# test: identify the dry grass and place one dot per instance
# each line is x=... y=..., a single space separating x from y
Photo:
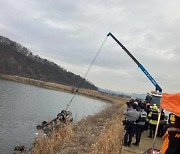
x=53 y=143
x=110 y=140
x=99 y=134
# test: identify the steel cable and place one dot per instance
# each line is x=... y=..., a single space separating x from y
x=85 y=75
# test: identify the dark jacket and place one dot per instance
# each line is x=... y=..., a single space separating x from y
x=174 y=141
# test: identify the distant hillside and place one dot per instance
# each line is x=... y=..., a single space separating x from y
x=18 y=60
x=122 y=94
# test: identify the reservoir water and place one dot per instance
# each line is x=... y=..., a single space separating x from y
x=23 y=107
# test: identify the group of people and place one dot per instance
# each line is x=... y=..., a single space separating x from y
x=140 y=116
x=134 y=122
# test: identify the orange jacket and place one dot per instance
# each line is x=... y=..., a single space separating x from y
x=165 y=143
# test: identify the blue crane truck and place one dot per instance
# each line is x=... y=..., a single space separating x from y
x=156 y=95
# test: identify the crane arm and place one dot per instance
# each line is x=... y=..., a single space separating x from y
x=137 y=62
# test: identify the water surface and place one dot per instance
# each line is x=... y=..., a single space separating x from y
x=23 y=107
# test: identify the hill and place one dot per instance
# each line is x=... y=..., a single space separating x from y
x=16 y=59
x=122 y=94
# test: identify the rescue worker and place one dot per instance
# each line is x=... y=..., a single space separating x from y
x=174 y=137
x=153 y=118
x=140 y=123
x=131 y=116
x=171 y=143
x=165 y=143
x=171 y=119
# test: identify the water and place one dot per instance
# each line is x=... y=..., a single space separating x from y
x=23 y=107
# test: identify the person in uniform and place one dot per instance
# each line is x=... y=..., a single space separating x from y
x=131 y=116
x=140 y=123
x=171 y=144
x=153 y=118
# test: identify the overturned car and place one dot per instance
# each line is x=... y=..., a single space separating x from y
x=63 y=117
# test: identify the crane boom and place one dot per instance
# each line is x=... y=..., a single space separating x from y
x=158 y=88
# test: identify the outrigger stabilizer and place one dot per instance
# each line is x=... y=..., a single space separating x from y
x=158 y=88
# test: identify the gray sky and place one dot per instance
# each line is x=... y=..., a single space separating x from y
x=70 y=32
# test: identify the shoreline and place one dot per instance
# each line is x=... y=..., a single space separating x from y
x=60 y=87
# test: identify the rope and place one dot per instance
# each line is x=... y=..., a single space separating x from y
x=80 y=83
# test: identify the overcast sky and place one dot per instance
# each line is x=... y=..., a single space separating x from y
x=70 y=32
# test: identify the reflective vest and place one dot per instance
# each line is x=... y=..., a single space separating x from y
x=172 y=118
x=142 y=118
x=153 y=117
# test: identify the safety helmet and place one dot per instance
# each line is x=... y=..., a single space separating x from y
x=154 y=107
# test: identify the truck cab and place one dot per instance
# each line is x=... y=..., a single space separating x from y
x=155 y=99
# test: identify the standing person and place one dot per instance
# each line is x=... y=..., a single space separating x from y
x=174 y=137
x=148 y=110
x=153 y=118
x=161 y=124
x=165 y=143
x=131 y=116
x=171 y=102
x=171 y=119
x=140 y=123
x=129 y=106
x=171 y=144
